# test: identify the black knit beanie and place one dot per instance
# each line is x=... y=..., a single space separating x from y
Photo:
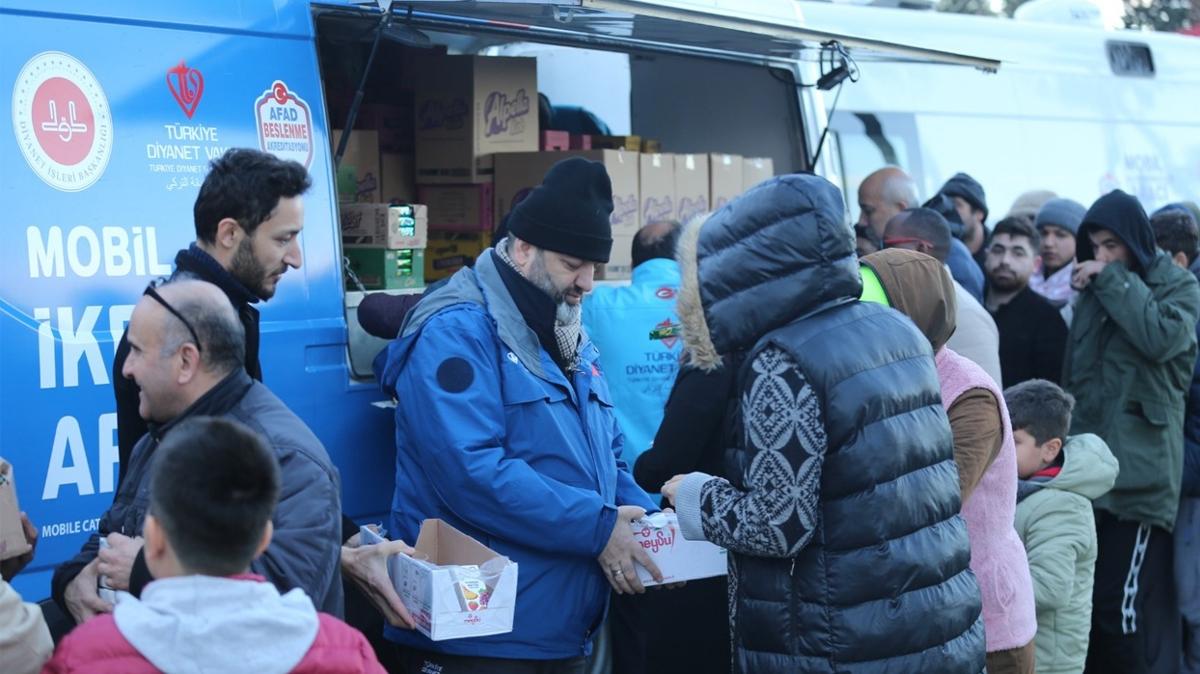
x=965 y=187
x=569 y=212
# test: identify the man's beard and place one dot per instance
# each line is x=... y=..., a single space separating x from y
x=247 y=270
x=1008 y=283
x=565 y=312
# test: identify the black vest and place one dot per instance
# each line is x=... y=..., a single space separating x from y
x=885 y=583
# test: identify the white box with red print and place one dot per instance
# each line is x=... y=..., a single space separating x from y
x=677 y=558
x=453 y=585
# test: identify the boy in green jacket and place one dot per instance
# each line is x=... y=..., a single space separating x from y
x=1058 y=482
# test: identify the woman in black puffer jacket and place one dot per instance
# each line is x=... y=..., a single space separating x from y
x=847 y=552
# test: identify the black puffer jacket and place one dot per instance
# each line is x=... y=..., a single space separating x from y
x=873 y=575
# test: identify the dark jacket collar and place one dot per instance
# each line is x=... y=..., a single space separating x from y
x=536 y=307
x=219 y=400
x=1022 y=301
x=193 y=260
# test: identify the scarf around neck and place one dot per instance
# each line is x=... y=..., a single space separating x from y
x=1057 y=287
x=566 y=335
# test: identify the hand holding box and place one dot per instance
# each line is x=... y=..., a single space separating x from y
x=453 y=585
x=677 y=558
x=12 y=535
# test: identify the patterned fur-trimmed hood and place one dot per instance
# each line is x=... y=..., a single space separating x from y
x=763 y=260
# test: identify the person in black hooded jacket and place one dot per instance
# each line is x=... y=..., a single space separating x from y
x=841 y=508
x=248 y=216
x=1129 y=361
x=700 y=422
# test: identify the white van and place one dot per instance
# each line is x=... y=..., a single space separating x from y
x=1076 y=109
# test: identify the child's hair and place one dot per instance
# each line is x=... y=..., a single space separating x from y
x=213 y=488
x=1040 y=408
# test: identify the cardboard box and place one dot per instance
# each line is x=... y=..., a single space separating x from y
x=518 y=173
x=755 y=170
x=447 y=252
x=652 y=146
x=384 y=226
x=455 y=586
x=459 y=208
x=397 y=178
x=630 y=143
x=677 y=558
x=724 y=179
x=554 y=141
x=393 y=123
x=620 y=261
x=691 y=186
x=469 y=107
x=657 y=188
x=12 y=535
x=386 y=268
x=360 y=164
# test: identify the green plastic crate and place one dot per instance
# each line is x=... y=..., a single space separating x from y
x=386 y=269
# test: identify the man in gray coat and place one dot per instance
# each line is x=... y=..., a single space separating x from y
x=186 y=356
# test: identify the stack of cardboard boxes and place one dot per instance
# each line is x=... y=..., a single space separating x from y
x=469 y=108
x=385 y=245
x=647 y=187
x=383 y=234
x=468 y=149
x=518 y=173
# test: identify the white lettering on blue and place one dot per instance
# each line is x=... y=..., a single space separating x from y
x=47 y=374
x=84 y=254
x=79 y=342
x=67 y=440
x=68 y=445
x=45 y=255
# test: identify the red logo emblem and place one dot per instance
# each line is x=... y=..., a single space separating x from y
x=285 y=127
x=62 y=121
x=665 y=293
x=187 y=86
x=66 y=126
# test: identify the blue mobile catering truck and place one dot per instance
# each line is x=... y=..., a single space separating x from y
x=110 y=113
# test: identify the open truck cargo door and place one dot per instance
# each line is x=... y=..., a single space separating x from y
x=762 y=30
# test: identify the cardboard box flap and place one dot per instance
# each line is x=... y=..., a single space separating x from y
x=443 y=545
x=12 y=535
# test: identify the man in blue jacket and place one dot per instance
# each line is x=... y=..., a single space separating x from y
x=505 y=429
x=637 y=331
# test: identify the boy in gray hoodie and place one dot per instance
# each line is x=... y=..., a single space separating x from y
x=1058 y=479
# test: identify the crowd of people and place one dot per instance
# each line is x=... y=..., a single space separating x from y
x=929 y=445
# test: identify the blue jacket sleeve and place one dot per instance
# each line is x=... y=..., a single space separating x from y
x=453 y=418
x=964 y=270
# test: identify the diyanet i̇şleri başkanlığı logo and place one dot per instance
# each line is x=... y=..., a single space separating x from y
x=62 y=121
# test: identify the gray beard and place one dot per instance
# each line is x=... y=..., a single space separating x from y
x=567 y=313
